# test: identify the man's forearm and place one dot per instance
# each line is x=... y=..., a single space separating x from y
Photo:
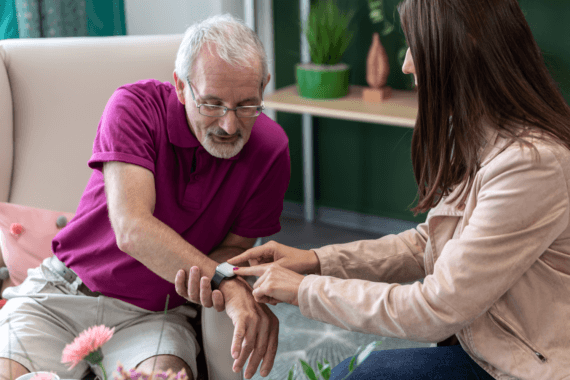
x=161 y=249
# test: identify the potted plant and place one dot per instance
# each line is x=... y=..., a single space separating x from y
x=328 y=38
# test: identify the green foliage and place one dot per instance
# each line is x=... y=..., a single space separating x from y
x=327 y=32
x=309 y=371
x=324 y=371
x=290 y=374
x=377 y=16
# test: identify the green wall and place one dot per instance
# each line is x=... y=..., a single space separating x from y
x=367 y=167
x=8 y=20
x=104 y=18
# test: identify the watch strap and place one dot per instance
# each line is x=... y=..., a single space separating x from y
x=217 y=280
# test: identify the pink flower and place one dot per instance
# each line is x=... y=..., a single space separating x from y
x=16 y=229
x=133 y=374
x=43 y=376
x=86 y=346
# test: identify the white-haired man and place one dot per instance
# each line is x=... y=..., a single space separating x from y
x=185 y=176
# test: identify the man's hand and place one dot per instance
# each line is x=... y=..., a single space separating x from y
x=256 y=328
x=298 y=260
x=198 y=289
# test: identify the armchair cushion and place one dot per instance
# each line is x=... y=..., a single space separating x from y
x=25 y=238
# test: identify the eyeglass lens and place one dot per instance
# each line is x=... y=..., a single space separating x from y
x=217 y=111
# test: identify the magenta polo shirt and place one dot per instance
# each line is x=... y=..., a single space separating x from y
x=201 y=197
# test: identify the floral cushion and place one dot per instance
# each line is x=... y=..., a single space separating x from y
x=25 y=238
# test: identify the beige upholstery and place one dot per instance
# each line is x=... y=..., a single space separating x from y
x=52 y=95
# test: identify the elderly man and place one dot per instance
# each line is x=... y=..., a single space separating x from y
x=185 y=176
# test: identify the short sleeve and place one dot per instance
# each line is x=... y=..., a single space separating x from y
x=260 y=216
x=126 y=132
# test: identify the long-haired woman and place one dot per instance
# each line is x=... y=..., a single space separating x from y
x=491 y=157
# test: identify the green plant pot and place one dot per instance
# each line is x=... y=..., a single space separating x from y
x=322 y=81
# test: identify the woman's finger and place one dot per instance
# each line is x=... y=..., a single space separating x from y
x=243 y=257
x=253 y=262
x=255 y=253
x=257 y=270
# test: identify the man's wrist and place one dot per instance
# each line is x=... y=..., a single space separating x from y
x=232 y=285
x=223 y=272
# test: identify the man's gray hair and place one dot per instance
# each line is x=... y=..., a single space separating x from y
x=234 y=41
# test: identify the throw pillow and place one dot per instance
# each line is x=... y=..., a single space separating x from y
x=25 y=238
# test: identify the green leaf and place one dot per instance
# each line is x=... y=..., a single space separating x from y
x=290 y=374
x=351 y=365
x=402 y=54
x=308 y=370
x=327 y=32
x=325 y=370
x=388 y=28
x=328 y=370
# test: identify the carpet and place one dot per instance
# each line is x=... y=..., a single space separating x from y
x=311 y=341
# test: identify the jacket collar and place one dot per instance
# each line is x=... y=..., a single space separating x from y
x=494 y=145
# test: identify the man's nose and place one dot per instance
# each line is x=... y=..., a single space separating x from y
x=229 y=122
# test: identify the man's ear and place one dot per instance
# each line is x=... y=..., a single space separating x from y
x=265 y=84
x=180 y=85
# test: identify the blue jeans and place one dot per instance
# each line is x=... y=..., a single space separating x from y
x=448 y=362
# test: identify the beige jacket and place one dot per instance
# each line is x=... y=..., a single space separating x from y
x=497 y=270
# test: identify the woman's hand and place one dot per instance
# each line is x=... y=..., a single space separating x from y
x=275 y=283
x=298 y=260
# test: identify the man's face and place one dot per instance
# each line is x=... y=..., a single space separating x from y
x=215 y=82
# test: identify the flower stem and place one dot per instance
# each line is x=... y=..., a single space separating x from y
x=160 y=337
x=100 y=364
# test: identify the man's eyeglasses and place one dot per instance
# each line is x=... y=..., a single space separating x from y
x=219 y=111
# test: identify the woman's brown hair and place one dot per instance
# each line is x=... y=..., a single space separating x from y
x=477 y=64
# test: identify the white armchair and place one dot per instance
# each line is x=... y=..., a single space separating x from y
x=52 y=95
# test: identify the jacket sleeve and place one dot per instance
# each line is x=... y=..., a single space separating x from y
x=392 y=258
x=521 y=208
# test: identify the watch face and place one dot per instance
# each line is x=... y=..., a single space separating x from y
x=226 y=269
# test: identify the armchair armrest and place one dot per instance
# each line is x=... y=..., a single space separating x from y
x=217 y=334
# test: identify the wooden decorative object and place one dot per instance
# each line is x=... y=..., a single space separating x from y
x=377 y=71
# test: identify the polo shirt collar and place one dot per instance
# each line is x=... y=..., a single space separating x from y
x=179 y=133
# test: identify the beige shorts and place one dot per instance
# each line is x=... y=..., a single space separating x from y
x=45 y=313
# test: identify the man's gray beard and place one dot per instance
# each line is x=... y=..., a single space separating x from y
x=220 y=150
